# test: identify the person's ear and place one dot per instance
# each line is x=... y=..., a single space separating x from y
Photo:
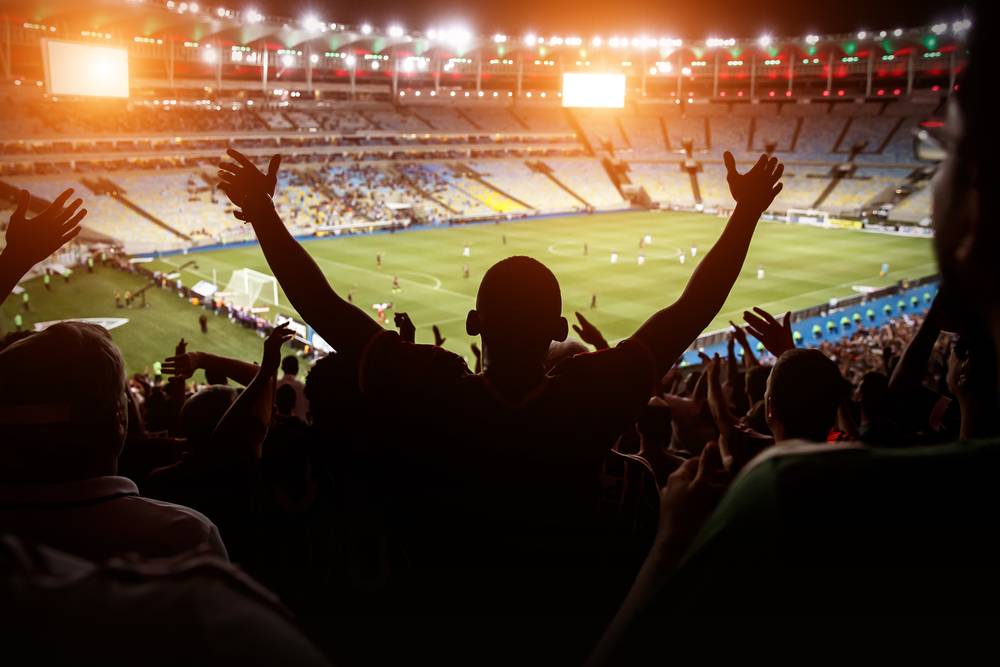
x=561 y=330
x=472 y=325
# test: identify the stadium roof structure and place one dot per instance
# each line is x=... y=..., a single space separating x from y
x=171 y=20
x=214 y=49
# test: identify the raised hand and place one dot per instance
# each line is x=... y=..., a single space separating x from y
x=589 y=334
x=31 y=241
x=181 y=347
x=438 y=338
x=689 y=498
x=739 y=334
x=776 y=336
x=246 y=185
x=183 y=364
x=407 y=330
x=757 y=188
x=737 y=443
x=272 y=348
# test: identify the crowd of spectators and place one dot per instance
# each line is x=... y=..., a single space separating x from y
x=552 y=504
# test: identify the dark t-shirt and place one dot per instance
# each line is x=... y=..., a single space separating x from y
x=850 y=530
x=492 y=485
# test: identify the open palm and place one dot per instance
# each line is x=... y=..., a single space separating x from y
x=758 y=187
x=31 y=241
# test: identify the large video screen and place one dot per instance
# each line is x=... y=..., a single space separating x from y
x=593 y=90
x=85 y=69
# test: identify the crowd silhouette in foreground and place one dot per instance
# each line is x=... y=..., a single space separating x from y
x=556 y=503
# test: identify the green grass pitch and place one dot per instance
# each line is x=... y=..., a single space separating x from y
x=804 y=266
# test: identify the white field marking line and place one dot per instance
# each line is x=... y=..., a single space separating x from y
x=677 y=252
x=389 y=273
x=832 y=287
x=437 y=281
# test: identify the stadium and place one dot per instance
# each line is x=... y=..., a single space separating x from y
x=389 y=132
x=413 y=162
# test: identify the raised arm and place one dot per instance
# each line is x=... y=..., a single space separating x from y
x=185 y=364
x=670 y=331
x=341 y=324
x=242 y=430
x=31 y=241
x=912 y=365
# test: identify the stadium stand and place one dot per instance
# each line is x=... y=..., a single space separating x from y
x=664 y=182
x=529 y=186
x=916 y=207
x=587 y=178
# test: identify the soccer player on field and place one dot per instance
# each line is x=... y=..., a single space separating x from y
x=885 y=269
x=378 y=260
x=760 y=272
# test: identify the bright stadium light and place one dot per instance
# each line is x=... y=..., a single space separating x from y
x=764 y=41
x=375 y=65
x=939 y=28
x=499 y=39
x=898 y=32
x=812 y=39
x=313 y=24
x=287 y=60
x=686 y=71
x=596 y=41
x=350 y=61
x=530 y=39
x=862 y=34
x=253 y=16
x=395 y=31
x=882 y=34
x=209 y=55
x=314 y=58
x=366 y=29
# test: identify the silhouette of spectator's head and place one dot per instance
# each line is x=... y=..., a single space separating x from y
x=201 y=413
x=333 y=392
x=966 y=237
x=518 y=313
x=63 y=405
x=804 y=390
x=290 y=365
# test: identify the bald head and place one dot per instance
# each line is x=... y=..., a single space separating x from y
x=518 y=311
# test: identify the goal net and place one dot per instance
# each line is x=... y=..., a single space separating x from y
x=808 y=216
x=248 y=287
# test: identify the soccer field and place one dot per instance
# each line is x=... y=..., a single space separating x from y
x=804 y=266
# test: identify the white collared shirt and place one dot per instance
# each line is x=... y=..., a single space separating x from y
x=103 y=517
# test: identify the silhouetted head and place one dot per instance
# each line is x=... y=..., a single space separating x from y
x=518 y=312
x=333 y=393
x=804 y=390
x=290 y=365
x=63 y=407
x=966 y=238
x=201 y=413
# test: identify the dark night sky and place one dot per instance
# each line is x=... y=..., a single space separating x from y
x=693 y=19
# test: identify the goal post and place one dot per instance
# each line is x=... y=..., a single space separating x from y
x=247 y=287
x=808 y=216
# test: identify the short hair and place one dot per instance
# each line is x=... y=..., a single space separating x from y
x=290 y=365
x=284 y=398
x=520 y=287
x=63 y=407
x=72 y=372
x=201 y=413
x=806 y=389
